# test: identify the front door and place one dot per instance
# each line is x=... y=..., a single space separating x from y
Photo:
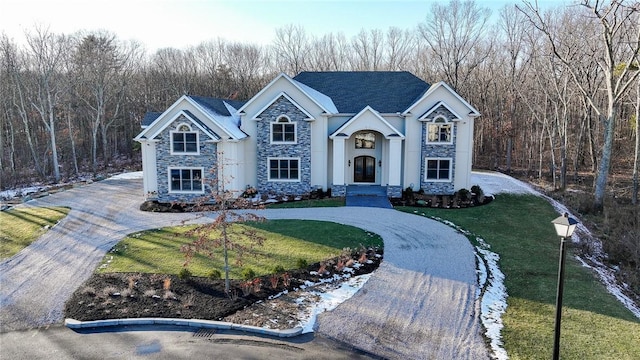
x=364 y=170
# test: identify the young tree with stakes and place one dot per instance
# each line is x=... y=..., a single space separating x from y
x=221 y=233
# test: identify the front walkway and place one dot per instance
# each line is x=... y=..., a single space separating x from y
x=420 y=303
x=367 y=196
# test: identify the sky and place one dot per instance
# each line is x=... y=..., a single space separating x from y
x=184 y=23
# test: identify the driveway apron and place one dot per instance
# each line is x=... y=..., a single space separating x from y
x=420 y=303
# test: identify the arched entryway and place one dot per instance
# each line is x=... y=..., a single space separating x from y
x=364 y=151
x=364 y=169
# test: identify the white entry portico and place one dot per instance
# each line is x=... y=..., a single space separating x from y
x=367 y=149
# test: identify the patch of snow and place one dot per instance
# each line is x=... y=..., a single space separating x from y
x=329 y=300
x=497 y=183
x=127 y=176
x=491 y=291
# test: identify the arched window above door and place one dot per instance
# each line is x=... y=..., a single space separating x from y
x=365 y=140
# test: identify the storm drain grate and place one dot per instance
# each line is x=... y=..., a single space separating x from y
x=204 y=333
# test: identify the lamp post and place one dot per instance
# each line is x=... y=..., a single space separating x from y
x=564 y=226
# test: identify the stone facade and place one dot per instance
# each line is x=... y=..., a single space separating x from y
x=338 y=190
x=207 y=160
x=300 y=150
x=438 y=151
x=394 y=191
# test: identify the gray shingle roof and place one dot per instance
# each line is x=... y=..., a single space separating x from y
x=217 y=105
x=384 y=91
x=150 y=117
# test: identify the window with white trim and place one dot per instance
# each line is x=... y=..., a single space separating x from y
x=186 y=180
x=438 y=169
x=284 y=169
x=439 y=131
x=184 y=140
x=283 y=131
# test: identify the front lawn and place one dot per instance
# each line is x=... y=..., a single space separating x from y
x=23 y=225
x=518 y=227
x=287 y=241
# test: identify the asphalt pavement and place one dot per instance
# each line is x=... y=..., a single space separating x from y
x=420 y=303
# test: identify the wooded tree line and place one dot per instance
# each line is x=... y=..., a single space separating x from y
x=558 y=89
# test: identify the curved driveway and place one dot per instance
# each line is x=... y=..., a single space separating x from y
x=420 y=304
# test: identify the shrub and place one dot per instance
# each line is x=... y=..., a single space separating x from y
x=248 y=273
x=215 y=274
x=278 y=269
x=301 y=263
x=184 y=273
x=479 y=194
x=464 y=194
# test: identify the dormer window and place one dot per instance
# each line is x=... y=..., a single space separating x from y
x=439 y=131
x=184 y=140
x=283 y=131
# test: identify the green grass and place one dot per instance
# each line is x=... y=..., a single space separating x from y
x=158 y=251
x=327 y=202
x=22 y=226
x=594 y=324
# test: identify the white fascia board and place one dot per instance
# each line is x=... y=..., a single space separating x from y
x=425 y=117
x=473 y=112
x=177 y=115
x=282 y=93
x=290 y=80
x=160 y=118
x=264 y=89
x=376 y=114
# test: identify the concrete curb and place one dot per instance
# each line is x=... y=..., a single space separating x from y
x=194 y=323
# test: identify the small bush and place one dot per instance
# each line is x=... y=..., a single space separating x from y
x=184 y=273
x=278 y=269
x=302 y=263
x=248 y=273
x=215 y=274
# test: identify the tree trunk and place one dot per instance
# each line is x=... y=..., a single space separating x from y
x=73 y=143
x=509 y=152
x=54 y=144
x=634 y=194
x=605 y=159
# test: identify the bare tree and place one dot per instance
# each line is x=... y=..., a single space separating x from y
x=291 y=48
x=220 y=233
x=455 y=34
x=400 y=45
x=619 y=47
x=367 y=50
x=47 y=53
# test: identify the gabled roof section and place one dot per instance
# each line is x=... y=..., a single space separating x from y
x=318 y=97
x=199 y=123
x=381 y=125
x=189 y=116
x=149 y=118
x=211 y=113
x=351 y=91
x=427 y=115
x=473 y=112
x=323 y=101
x=284 y=95
x=223 y=113
x=218 y=106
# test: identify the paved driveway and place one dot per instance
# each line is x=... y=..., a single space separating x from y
x=420 y=304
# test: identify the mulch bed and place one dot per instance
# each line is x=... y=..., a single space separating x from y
x=136 y=295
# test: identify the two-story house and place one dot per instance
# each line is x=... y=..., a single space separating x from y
x=318 y=130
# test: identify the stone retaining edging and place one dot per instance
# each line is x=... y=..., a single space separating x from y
x=194 y=323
